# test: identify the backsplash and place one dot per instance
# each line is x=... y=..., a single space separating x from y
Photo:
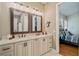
x=8 y=36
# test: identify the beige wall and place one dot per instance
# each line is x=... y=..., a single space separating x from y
x=50 y=14
x=4 y=19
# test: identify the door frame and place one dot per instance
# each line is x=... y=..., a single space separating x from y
x=57 y=26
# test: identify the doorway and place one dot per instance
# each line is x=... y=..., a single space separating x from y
x=67 y=33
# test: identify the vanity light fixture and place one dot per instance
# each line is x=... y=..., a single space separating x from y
x=35 y=9
x=20 y=3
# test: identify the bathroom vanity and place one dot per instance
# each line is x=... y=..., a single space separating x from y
x=23 y=22
x=26 y=46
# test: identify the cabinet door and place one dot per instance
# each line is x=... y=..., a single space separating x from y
x=21 y=49
x=49 y=43
x=25 y=49
x=30 y=47
x=36 y=47
x=40 y=46
x=44 y=45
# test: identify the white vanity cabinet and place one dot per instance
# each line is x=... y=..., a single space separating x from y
x=32 y=47
x=21 y=49
x=40 y=46
x=24 y=48
x=36 y=47
x=7 y=50
x=49 y=43
x=44 y=45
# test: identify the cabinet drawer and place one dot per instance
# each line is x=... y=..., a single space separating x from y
x=6 y=48
x=7 y=54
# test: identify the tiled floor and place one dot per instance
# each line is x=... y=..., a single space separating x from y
x=52 y=53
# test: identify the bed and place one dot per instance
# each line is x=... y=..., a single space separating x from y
x=69 y=38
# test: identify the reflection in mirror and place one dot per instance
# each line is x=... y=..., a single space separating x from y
x=36 y=23
x=20 y=21
x=25 y=22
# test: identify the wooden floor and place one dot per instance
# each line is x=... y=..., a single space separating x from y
x=68 y=50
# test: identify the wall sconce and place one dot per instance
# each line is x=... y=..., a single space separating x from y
x=48 y=23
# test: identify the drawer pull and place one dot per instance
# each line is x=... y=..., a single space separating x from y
x=4 y=49
x=25 y=44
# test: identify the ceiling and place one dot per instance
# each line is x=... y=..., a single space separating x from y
x=69 y=8
x=44 y=3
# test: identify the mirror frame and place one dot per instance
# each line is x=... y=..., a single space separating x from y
x=31 y=24
x=12 y=21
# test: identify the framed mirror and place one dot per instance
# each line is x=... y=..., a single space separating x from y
x=36 y=23
x=19 y=21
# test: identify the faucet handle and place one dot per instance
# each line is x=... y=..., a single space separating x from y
x=24 y=35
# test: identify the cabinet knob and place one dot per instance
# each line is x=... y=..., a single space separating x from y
x=25 y=44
